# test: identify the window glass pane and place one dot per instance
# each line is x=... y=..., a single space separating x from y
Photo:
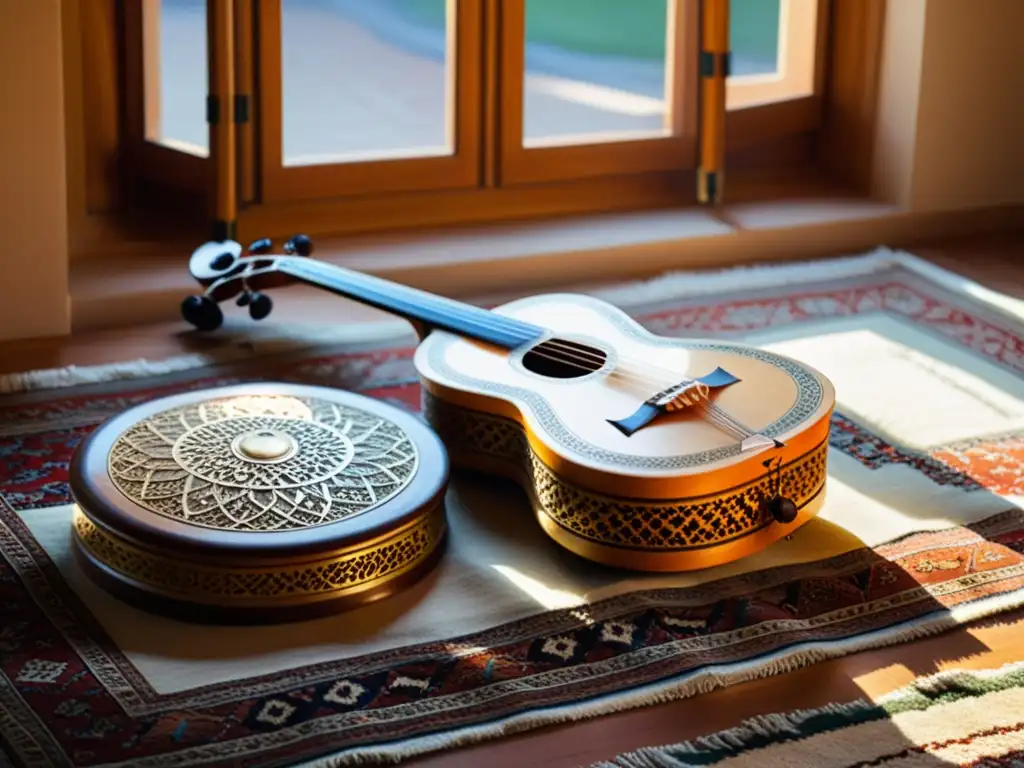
x=595 y=70
x=364 y=80
x=176 y=74
x=754 y=36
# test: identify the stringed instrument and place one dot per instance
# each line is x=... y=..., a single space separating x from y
x=636 y=450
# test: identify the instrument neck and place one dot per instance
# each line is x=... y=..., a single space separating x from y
x=427 y=309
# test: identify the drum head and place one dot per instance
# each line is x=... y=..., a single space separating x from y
x=259 y=502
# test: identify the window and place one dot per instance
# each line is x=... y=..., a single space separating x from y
x=596 y=88
x=778 y=65
x=167 y=80
x=340 y=115
x=774 y=45
x=359 y=98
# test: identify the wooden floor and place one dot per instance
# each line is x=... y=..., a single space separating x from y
x=996 y=262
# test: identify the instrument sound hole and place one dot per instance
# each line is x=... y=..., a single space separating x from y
x=562 y=359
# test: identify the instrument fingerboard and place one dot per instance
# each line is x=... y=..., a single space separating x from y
x=436 y=312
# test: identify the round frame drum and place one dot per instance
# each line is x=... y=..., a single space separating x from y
x=259 y=503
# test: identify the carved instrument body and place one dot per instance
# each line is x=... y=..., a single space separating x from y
x=637 y=451
x=259 y=503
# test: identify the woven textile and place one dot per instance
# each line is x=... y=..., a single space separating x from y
x=922 y=530
x=955 y=718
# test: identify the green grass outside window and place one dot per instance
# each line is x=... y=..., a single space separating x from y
x=629 y=28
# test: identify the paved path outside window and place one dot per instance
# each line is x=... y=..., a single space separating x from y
x=368 y=79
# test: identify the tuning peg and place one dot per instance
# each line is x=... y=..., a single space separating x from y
x=300 y=245
x=259 y=305
x=202 y=312
x=214 y=260
x=243 y=299
x=222 y=261
x=782 y=509
x=263 y=245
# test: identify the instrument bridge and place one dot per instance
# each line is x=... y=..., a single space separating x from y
x=686 y=394
x=682 y=395
x=691 y=393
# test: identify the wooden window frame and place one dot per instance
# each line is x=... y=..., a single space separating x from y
x=149 y=159
x=831 y=131
x=803 y=23
x=245 y=87
x=761 y=109
x=560 y=161
x=461 y=169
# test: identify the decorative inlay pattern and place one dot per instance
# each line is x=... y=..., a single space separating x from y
x=390 y=556
x=210 y=452
x=808 y=399
x=672 y=525
x=184 y=463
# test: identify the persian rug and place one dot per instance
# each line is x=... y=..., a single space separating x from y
x=955 y=718
x=923 y=530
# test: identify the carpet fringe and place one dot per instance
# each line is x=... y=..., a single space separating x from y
x=699 y=682
x=950 y=679
x=250 y=348
x=677 y=285
x=672 y=285
x=780 y=724
x=733 y=738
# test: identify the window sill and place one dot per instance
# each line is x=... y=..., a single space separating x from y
x=133 y=287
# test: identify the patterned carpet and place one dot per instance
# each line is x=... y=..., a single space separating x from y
x=922 y=531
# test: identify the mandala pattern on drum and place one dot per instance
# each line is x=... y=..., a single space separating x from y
x=184 y=463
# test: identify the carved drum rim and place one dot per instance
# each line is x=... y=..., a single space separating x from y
x=267 y=583
x=100 y=498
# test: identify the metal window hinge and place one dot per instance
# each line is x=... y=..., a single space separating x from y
x=224 y=230
x=709 y=187
x=212 y=110
x=243 y=108
x=715 y=64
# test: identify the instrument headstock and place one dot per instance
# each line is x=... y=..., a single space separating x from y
x=227 y=270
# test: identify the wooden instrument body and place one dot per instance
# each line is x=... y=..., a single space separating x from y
x=676 y=495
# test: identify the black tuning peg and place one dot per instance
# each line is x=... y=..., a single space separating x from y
x=263 y=245
x=202 y=312
x=222 y=261
x=300 y=245
x=259 y=305
x=243 y=299
x=782 y=509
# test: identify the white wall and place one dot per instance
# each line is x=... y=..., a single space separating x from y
x=970 y=145
x=950 y=130
x=33 y=189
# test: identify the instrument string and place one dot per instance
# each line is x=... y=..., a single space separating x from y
x=526 y=332
x=716 y=415
x=494 y=322
x=518 y=329
x=596 y=359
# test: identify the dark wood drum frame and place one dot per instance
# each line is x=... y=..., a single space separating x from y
x=201 y=573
